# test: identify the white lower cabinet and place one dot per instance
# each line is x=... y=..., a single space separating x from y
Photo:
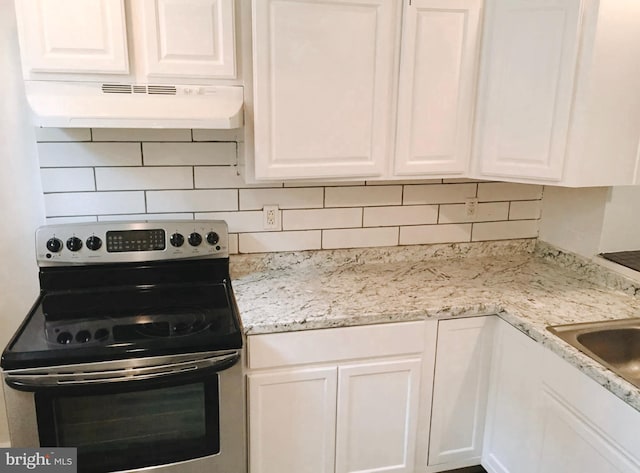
x=463 y=362
x=429 y=397
x=354 y=406
x=292 y=417
x=545 y=416
x=377 y=416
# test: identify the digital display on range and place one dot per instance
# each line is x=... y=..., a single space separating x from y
x=135 y=240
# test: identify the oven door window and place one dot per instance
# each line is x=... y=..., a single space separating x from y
x=126 y=429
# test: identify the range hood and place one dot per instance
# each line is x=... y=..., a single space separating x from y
x=119 y=105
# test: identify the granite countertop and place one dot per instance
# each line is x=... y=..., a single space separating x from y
x=530 y=285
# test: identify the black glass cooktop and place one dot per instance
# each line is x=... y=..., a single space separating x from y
x=161 y=310
x=630 y=259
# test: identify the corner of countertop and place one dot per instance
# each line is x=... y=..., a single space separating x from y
x=597 y=273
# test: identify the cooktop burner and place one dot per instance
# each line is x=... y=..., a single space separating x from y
x=156 y=303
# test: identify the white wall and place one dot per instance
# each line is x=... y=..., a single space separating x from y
x=621 y=225
x=21 y=204
x=592 y=220
x=572 y=218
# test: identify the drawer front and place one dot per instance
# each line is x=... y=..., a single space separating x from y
x=337 y=344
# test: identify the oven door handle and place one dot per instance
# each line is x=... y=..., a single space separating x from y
x=184 y=371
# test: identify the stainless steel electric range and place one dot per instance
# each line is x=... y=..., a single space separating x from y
x=132 y=351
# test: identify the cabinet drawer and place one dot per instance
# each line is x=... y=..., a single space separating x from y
x=336 y=344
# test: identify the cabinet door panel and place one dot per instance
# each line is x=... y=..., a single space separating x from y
x=189 y=38
x=463 y=361
x=572 y=444
x=526 y=87
x=377 y=415
x=73 y=36
x=292 y=419
x=323 y=86
x=514 y=412
x=437 y=83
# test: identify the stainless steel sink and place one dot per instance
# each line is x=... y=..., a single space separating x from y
x=613 y=343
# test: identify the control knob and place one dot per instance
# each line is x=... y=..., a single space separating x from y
x=195 y=239
x=54 y=245
x=176 y=240
x=74 y=243
x=212 y=238
x=94 y=243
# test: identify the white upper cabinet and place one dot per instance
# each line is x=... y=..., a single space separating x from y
x=328 y=90
x=73 y=36
x=189 y=38
x=526 y=92
x=175 y=41
x=436 y=86
x=323 y=84
x=558 y=101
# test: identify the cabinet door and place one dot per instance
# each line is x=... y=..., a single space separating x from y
x=189 y=38
x=572 y=444
x=377 y=416
x=292 y=417
x=437 y=85
x=323 y=87
x=463 y=362
x=526 y=87
x=514 y=411
x=73 y=36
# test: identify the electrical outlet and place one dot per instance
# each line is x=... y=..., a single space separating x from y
x=271 y=217
x=471 y=207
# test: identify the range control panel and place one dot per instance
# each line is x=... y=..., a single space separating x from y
x=125 y=242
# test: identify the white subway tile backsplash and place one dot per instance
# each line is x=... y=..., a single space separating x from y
x=140 y=134
x=400 y=215
x=298 y=198
x=525 y=209
x=233 y=243
x=189 y=154
x=239 y=222
x=153 y=174
x=154 y=217
x=67 y=180
x=438 y=193
x=221 y=177
x=321 y=218
x=63 y=134
x=192 y=200
x=367 y=196
x=82 y=219
x=89 y=154
x=359 y=237
x=428 y=234
x=235 y=134
x=279 y=241
x=505 y=230
x=144 y=178
x=486 y=212
x=93 y=203
x=496 y=191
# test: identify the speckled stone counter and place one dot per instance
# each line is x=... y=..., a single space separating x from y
x=530 y=286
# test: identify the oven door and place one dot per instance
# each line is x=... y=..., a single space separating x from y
x=165 y=413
